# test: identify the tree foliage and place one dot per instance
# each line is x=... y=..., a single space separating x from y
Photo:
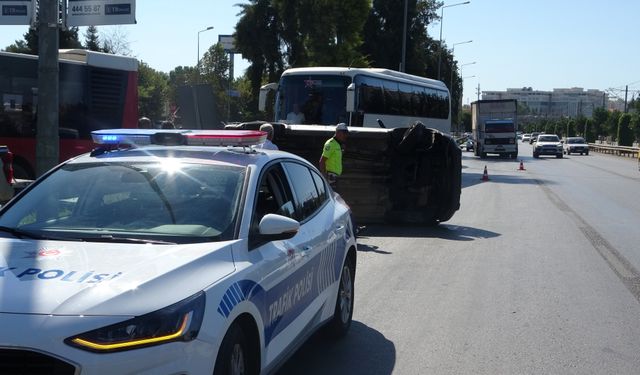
x=67 y=38
x=625 y=135
x=152 y=92
x=277 y=34
x=117 y=42
x=91 y=39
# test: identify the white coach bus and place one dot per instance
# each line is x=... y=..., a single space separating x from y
x=359 y=97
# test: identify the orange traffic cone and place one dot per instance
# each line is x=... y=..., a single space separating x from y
x=485 y=175
x=521 y=166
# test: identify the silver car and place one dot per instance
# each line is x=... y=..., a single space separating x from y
x=575 y=145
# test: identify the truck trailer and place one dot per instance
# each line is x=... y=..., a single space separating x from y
x=494 y=126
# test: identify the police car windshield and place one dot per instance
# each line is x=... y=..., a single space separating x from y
x=157 y=202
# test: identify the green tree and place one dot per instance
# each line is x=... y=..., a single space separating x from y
x=152 y=92
x=330 y=30
x=116 y=42
x=91 y=39
x=610 y=127
x=245 y=109
x=67 y=38
x=257 y=38
x=383 y=35
x=599 y=118
x=272 y=34
x=214 y=69
x=624 y=134
x=587 y=132
x=465 y=120
x=180 y=76
x=634 y=125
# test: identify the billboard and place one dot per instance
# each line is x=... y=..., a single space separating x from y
x=228 y=43
x=100 y=12
x=16 y=12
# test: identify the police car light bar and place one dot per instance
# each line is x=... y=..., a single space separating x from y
x=169 y=137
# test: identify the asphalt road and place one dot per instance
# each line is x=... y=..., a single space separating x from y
x=536 y=274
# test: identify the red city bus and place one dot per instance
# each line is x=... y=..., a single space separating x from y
x=97 y=91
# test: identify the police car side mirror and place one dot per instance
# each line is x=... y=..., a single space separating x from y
x=274 y=227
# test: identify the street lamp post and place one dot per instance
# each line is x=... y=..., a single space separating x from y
x=441 y=22
x=451 y=79
x=452 y=55
x=198 y=60
x=196 y=105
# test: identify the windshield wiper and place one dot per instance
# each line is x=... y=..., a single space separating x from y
x=19 y=233
x=110 y=238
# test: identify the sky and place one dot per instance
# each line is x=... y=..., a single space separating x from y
x=542 y=44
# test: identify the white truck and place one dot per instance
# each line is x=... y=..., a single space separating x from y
x=494 y=125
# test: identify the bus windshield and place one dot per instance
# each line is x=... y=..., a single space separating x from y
x=499 y=127
x=312 y=99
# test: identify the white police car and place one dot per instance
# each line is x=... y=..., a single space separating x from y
x=172 y=258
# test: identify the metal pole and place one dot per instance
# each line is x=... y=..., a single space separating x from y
x=404 y=37
x=440 y=40
x=198 y=60
x=195 y=89
x=47 y=138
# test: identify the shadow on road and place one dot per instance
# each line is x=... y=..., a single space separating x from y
x=363 y=351
x=372 y=249
x=444 y=231
x=472 y=179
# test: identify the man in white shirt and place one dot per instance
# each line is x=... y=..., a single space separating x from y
x=267 y=145
x=295 y=117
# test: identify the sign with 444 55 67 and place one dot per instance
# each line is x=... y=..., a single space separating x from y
x=101 y=12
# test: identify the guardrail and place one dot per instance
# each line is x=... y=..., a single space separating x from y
x=615 y=150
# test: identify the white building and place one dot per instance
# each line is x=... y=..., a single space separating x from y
x=559 y=102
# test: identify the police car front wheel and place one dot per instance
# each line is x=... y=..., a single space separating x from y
x=234 y=358
x=343 y=314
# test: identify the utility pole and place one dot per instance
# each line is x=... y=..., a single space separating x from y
x=47 y=138
x=478 y=91
x=626 y=92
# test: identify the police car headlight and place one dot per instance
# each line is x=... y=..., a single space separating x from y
x=178 y=322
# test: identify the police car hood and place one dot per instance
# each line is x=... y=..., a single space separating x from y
x=83 y=278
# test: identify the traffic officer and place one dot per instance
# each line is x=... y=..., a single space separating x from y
x=331 y=159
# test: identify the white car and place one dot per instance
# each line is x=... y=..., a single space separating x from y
x=547 y=144
x=575 y=145
x=172 y=259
